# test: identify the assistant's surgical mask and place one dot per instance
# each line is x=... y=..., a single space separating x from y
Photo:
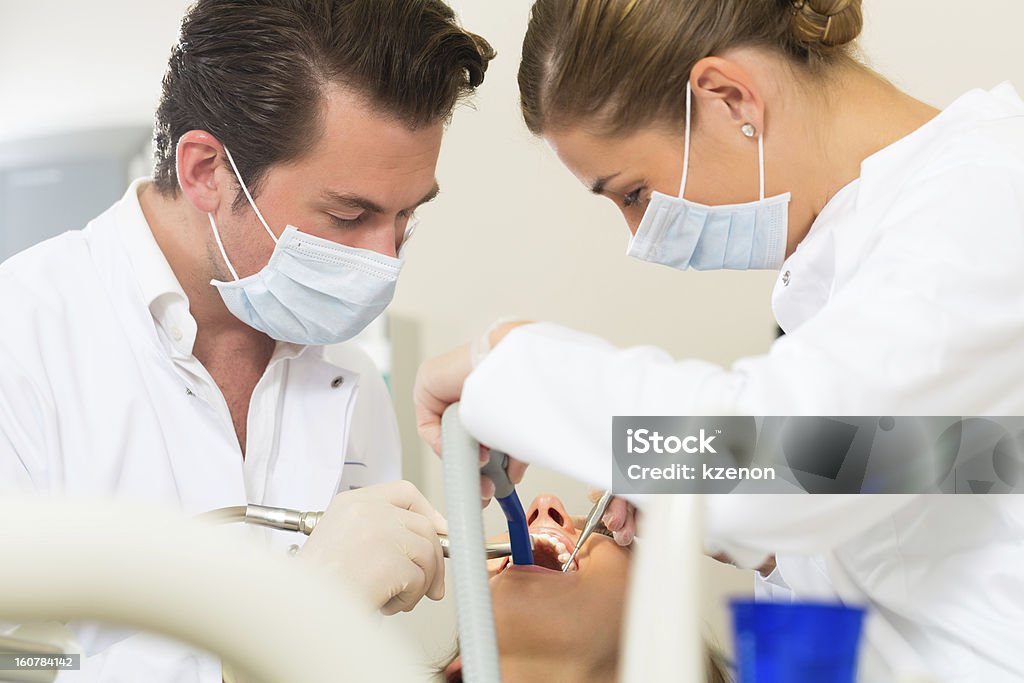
x=312 y=290
x=683 y=234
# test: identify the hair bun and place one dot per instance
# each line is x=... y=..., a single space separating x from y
x=826 y=23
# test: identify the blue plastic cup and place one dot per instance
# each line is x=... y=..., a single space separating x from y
x=790 y=642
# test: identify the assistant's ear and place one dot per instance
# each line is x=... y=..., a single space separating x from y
x=201 y=175
x=729 y=93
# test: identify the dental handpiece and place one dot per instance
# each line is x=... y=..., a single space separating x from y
x=304 y=522
x=589 y=526
x=263 y=515
x=494 y=549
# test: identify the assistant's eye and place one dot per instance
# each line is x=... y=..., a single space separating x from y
x=633 y=198
x=347 y=222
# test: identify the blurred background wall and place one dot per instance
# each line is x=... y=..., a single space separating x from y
x=512 y=233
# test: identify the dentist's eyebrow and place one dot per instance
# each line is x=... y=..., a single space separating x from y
x=359 y=202
x=430 y=196
x=353 y=201
x=600 y=183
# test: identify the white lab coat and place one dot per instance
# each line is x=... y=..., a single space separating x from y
x=906 y=298
x=99 y=395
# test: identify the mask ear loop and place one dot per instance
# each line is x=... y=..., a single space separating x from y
x=224 y=254
x=686 y=141
x=760 y=163
x=213 y=224
x=247 y=195
x=686 y=150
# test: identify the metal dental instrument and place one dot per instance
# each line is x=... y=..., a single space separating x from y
x=304 y=522
x=508 y=499
x=262 y=515
x=593 y=521
x=494 y=549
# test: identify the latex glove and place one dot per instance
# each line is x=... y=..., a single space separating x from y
x=382 y=540
x=619 y=518
x=439 y=384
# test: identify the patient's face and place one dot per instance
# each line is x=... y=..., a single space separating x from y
x=541 y=612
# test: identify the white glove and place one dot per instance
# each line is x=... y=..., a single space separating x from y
x=382 y=540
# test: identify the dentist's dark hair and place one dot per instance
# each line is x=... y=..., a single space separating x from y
x=253 y=73
x=619 y=65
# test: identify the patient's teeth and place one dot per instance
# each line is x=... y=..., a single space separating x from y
x=556 y=544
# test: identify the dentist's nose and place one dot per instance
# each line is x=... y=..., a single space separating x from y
x=380 y=238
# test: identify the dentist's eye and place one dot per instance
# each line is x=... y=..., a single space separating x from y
x=347 y=222
x=633 y=198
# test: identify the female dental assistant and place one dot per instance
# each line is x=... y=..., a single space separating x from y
x=742 y=134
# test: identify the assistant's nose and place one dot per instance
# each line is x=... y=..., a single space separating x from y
x=547 y=510
x=632 y=220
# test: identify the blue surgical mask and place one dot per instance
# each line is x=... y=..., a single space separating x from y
x=682 y=234
x=312 y=290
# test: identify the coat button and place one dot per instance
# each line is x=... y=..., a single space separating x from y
x=785 y=279
x=337 y=382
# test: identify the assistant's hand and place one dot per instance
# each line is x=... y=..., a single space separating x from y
x=619 y=518
x=439 y=384
x=382 y=540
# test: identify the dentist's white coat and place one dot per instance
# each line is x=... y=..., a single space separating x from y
x=100 y=395
x=906 y=298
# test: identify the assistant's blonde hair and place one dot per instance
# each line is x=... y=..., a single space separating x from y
x=617 y=65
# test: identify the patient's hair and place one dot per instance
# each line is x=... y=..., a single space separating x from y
x=253 y=73
x=714 y=665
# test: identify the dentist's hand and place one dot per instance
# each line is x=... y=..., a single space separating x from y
x=382 y=540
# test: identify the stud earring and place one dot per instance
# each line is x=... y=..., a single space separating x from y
x=748 y=130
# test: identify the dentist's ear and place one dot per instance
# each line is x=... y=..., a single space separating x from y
x=200 y=166
x=730 y=97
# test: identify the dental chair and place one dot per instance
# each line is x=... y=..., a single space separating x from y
x=272 y=618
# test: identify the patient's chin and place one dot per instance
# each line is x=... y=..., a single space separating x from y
x=532 y=626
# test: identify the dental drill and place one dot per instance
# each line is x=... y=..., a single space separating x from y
x=465 y=544
x=304 y=522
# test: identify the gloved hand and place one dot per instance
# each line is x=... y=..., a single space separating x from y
x=382 y=540
x=619 y=518
x=439 y=384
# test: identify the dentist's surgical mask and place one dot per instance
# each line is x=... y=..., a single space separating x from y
x=313 y=290
x=683 y=234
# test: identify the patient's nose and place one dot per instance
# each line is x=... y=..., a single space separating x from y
x=548 y=509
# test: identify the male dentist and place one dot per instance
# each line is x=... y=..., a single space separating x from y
x=173 y=350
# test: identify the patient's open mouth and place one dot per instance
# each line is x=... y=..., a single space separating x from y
x=552 y=547
x=551 y=550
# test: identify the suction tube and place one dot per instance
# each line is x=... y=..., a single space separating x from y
x=461 y=467
x=508 y=499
